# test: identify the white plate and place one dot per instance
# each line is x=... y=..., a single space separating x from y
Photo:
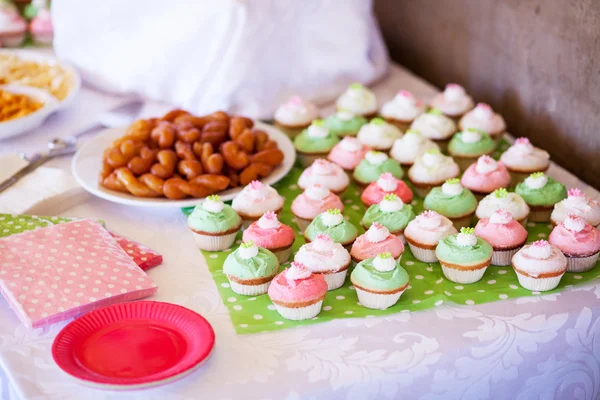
x=87 y=165
x=30 y=121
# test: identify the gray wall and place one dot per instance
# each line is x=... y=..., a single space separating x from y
x=537 y=62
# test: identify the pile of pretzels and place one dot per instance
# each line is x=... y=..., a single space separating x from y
x=182 y=155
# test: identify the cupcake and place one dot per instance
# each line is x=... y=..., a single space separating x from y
x=358 y=100
x=523 y=159
x=332 y=223
x=431 y=169
x=41 y=27
x=386 y=184
x=295 y=115
x=256 y=199
x=452 y=201
x=501 y=198
x=377 y=239
x=435 y=126
x=325 y=173
x=344 y=123
x=272 y=235
x=464 y=257
x=214 y=224
x=250 y=269
x=312 y=202
x=403 y=109
x=379 y=281
x=539 y=266
x=324 y=256
x=485 y=176
x=297 y=293
x=579 y=204
x=378 y=134
x=12 y=27
x=483 y=118
x=314 y=142
x=503 y=233
x=578 y=241
x=406 y=149
x=348 y=154
x=541 y=193
x=453 y=101
x=424 y=233
x=392 y=213
x=374 y=164
x=467 y=146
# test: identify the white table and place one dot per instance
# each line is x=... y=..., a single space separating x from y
x=538 y=347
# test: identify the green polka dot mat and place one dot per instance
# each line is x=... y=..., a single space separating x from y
x=428 y=287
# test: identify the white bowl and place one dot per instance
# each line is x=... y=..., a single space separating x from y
x=30 y=121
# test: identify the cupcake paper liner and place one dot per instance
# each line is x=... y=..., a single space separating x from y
x=581 y=264
x=302 y=224
x=301 y=313
x=401 y=237
x=249 y=290
x=421 y=254
x=283 y=255
x=335 y=280
x=464 y=277
x=464 y=162
x=422 y=191
x=377 y=301
x=214 y=243
x=542 y=215
x=538 y=284
x=503 y=258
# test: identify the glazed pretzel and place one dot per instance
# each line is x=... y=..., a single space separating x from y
x=253 y=172
x=164 y=135
x=190 y=168
x=167 y=160
x=211 y=162
x=138 y=187
x=177 y=188
x=119 y=155
x=234 y=157
x=142 y=163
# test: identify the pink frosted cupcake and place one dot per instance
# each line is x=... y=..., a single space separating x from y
x=315 y=200
x=297 y=293
x=579 y=242
x=12 y=27
x=483 y=118
x=41 y=27
x=256 y=199
x=272 y=235
x=376 y=240
x=348 y=153
x=325 y=173
x=579 y=204
x=454 y=101
x=485 y=176
x=539 y=266
x=324 y=256
x=386 y=184
x=505 y=235
x=424 y=233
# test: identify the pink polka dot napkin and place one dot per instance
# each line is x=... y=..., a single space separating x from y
x=52 y=274
x=143 y=256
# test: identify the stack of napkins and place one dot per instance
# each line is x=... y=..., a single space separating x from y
x=55 y=273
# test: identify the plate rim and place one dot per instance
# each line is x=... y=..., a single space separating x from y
x=130 y=200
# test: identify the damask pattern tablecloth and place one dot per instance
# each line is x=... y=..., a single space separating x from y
x=542 y=347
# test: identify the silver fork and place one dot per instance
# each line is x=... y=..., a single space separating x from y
x=121 y=115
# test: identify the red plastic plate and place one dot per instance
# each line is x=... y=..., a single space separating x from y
x=133 y=345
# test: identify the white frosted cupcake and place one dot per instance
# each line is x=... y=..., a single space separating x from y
x=435 y=126
x=453 y=101
x=358 y=100
x=523 y=159
x=324 y=173
x=214 y=224
x=502 y=199
x=577 y=203
x=379 y=134
x=256 y=199
x=424 y=233
x=483 y=118
x=324 y=256
x=295 y=115
x=250 y=269
x=406 y=149
x=431 y=169
x=403 y=109
x=539 y=266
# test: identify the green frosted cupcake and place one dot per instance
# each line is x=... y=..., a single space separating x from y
x=314 y=142
x=467 y=146
x=453 y=201
x=332 y=222
x=344 y=123
x=464 y=257
x=250 y=269
x=392 y=213
x=374 y=164
x=214 y=224
x=541 y=193
x=379 y=281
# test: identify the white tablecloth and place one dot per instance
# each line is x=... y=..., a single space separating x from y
x=544 y=347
